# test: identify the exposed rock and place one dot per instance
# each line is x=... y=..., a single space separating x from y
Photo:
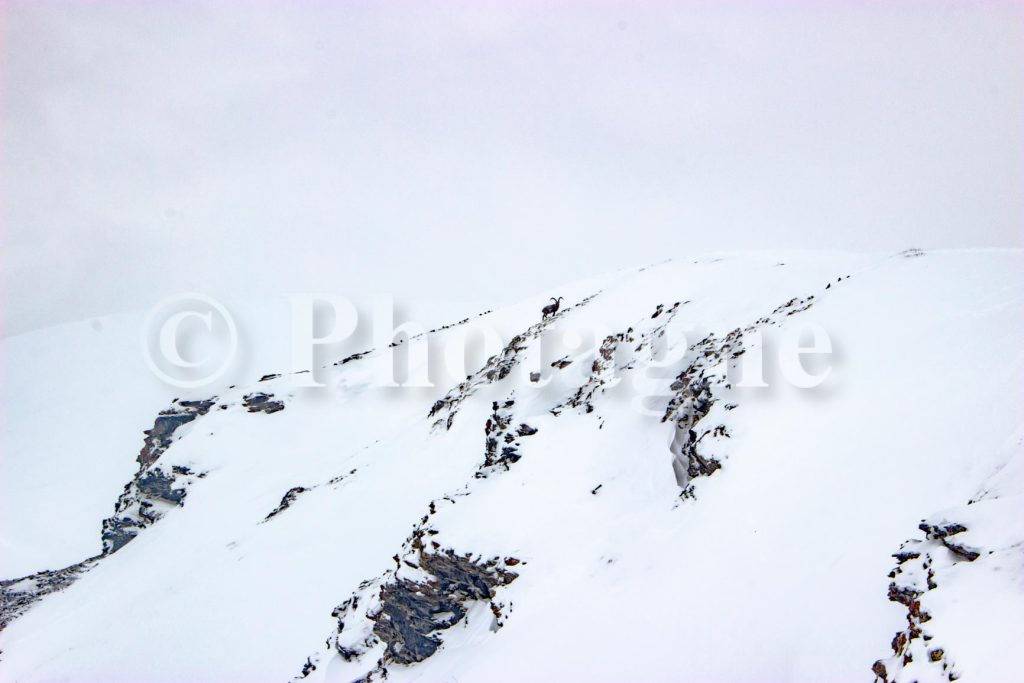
x=153 y=490
x=401 y=616
x=942 y=533
x=145 y=499
x=694 y=395
x=159 y=438
x=601 y=372
x=260 y=402
x=794 y=306
x=157 y=485
x=500 y=446
x=919 y=563
x=412 y=612
x=526 y=430
x=497 y=368
x=286 y=501
x=692 y=402
x=615 y=354
x=354 y=356
x=18 y=595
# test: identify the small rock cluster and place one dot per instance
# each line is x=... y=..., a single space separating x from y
x=261 y=402
x=286 y=501
x=501 y=443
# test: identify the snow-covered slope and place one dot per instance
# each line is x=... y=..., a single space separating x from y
x=636 y=514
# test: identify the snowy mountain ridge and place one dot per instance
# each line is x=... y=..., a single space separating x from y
x=570 y=527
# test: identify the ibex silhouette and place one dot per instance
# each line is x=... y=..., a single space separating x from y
x=551 y=309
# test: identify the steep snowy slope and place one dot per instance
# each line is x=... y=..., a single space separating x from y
x=644 y=511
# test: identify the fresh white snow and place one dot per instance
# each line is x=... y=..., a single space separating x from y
x=772 y=568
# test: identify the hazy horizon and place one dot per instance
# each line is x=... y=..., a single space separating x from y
x=457 y=150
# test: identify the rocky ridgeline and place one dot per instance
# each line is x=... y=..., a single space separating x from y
x=985 y=537
x=146 y=497
x=18 y=595
x=497 y=368
x=920 y=564
x=154 y=490
x=982 y=537
x=615 y=355
x=697 y=388
x=602 y=371
x=691 y=403
x=161 y=436
x=399 y=618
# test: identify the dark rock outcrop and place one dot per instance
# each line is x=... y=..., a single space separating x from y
x=412 y=612
x=153 y=489
x=286 y=501
x=159 y=438
x=501 y=445
x=18 y=595
x=260 y=402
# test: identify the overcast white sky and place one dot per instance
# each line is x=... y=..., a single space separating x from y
x=482 y=151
